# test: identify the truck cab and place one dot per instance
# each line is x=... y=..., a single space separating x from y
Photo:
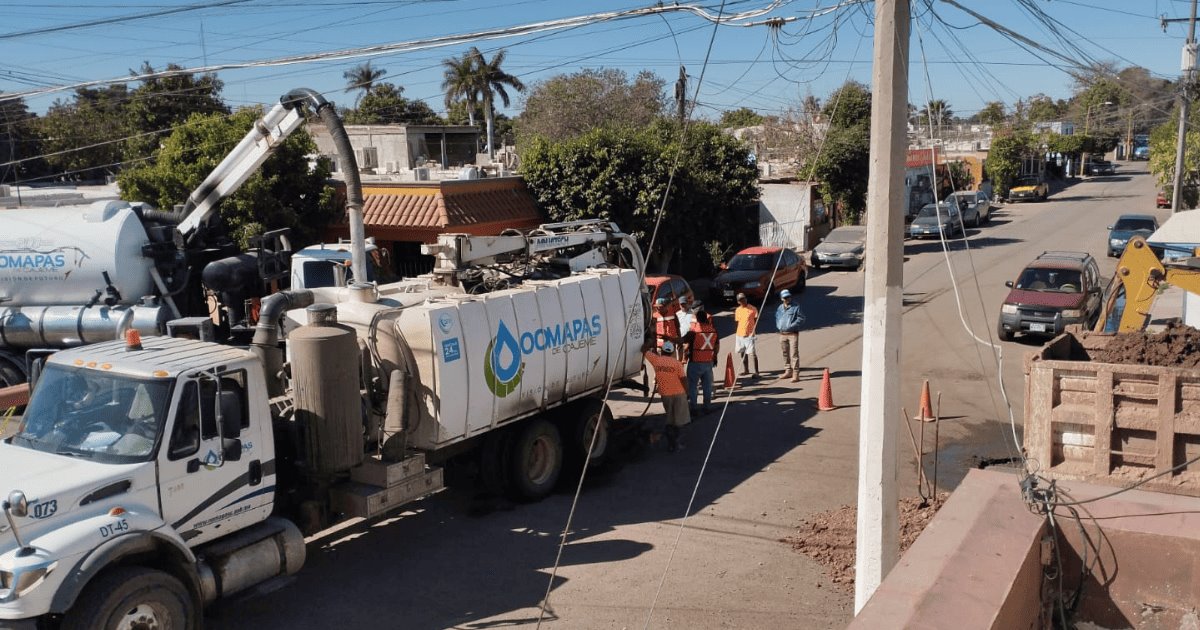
x=126 y=448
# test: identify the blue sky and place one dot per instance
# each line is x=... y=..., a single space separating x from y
x=757 y=67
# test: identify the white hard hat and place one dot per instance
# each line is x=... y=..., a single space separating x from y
x=668 y=347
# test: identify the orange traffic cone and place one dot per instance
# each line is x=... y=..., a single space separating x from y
x=825 y=400
x=926 y=406
x=729 y=375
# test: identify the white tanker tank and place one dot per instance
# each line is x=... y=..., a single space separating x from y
x=75 y=275
x=52 y=256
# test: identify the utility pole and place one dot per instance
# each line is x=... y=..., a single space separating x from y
x=681 y=95
x=876 y=546
x=1188 y=66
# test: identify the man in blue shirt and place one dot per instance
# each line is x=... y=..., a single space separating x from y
x=788 y=320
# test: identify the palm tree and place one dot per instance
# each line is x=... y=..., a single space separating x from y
x=475 y=79
x=362 y=77
x=937 y=113
x=460 y=83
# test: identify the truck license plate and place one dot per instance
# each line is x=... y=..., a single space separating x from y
x=729 y=294
x=1037 y=328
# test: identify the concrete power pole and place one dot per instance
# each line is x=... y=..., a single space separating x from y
x=878 y=526
x=1189 y=67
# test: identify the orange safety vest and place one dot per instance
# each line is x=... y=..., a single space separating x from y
x=666 y=326
x=704 y=343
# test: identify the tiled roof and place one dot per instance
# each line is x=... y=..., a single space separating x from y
x=449 y=206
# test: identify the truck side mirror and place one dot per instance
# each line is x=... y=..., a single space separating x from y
x=232 y=449
x=1008 y=283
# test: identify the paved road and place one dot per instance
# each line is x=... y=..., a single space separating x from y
x=775 y=460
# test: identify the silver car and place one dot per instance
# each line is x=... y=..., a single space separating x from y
x=974 y=206
x=843 y=247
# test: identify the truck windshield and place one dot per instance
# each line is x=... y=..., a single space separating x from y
x=110 y=418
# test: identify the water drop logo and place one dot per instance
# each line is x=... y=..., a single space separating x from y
x=503 y=367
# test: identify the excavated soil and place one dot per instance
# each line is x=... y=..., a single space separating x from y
x=828 y=537
x=1177 y=346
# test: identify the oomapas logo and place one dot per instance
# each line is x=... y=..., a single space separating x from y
x=503 y=368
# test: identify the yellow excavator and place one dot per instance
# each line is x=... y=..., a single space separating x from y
x=1136 y=283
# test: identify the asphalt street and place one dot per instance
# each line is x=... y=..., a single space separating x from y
x=453 y=562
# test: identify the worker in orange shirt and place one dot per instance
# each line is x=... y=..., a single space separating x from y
x=670 y=382
x=746 y=317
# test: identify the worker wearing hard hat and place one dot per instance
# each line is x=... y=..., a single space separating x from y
x=669 y=381
x=666 y=325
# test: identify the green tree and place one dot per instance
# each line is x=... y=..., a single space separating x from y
x=82 y=138
x=19 y=142
x=741 y=117
x=570 y=105
x=158 y=104
x=1004 y=158
x=620 y=174
x=1163 y=140
x=284 y=192
x=362 y=77
x=992 y=114
x=385 y=104
x=1042 y=108
x=842 y=165
x=937 y=112
x=475 y=79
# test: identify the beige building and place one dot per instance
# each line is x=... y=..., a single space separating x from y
x=387 y=149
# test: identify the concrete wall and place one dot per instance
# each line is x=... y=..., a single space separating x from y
x=785 y=215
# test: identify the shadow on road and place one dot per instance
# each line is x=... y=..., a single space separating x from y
x=438 y=566
x=955 y=244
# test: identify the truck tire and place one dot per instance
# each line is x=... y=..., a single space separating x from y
x=577 y=422
x=1002 y=334
x=535 y=460
x=132 y=597
x=11 y=373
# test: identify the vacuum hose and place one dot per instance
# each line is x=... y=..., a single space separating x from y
x=265 y=344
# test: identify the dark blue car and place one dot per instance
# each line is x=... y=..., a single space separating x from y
x=1126 y=226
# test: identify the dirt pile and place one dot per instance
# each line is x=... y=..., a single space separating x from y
x=1177 y=346
x=828 y=537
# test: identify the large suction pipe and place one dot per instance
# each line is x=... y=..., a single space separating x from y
x=349 y=168
x=265 y=344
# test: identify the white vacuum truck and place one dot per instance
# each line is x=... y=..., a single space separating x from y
x=76 y=275
x=154 y=475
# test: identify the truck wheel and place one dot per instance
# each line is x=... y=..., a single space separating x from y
x=1003 y=334
x=10 y=373
x=578 y=422
x=132 y=597
x=536 y=459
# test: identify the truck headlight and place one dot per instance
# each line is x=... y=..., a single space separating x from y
x=751 y=285
x=1073 y=313
x=1115 y=242
x=25 y=579
x=1009 y=309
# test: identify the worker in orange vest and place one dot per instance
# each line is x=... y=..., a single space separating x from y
x=666 y=325
x=703 y=344
x=669 y=382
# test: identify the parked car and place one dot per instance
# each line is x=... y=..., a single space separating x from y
x=1141 y=153
x=1055 y=290
x=1126 y=226
x=671 y=287
x=1162 y=200
x=974 y=206
x=750 y=271
x=1099 y=167
x=843 y=247
x=937 y=221
x=1029 y=188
